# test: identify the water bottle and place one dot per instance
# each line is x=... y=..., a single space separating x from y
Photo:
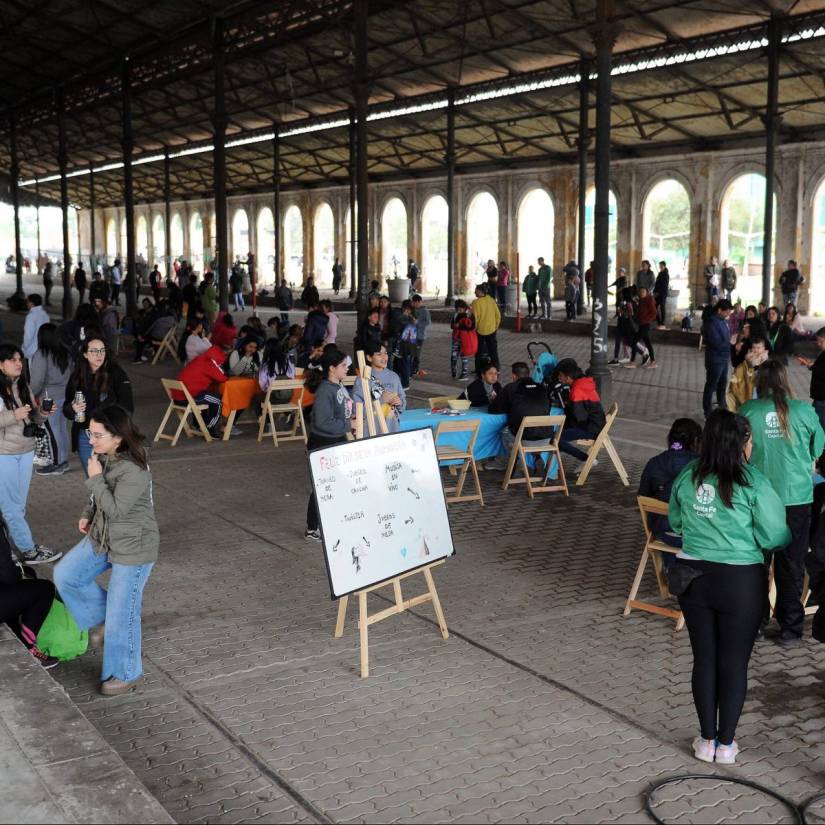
x=79 y=417
x=46 y=402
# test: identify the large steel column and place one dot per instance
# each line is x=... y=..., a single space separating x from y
x=451 y=210
x=62 y=159
x=361 y=9
x=353 y=261
x=276 y=202
x=15 y=201
x=604 y=37
x=772 y=121
x=37 y=222
x=584 y=143
x=92 y=234
x=219 y=157
x=167 y=215
x=129 y=267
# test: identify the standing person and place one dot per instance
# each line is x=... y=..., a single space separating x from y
x=48 y=282
x=727 y=513
x=423 y=320
x=717 y=355
x=108 y=321
x=787 y=440
x=502 y=280
x=488 y=319
x=779 y=335
x=80 y=282
x=101 y=381
x=337 y=272
x=98 y=288
x=309 y=295
x=712 y=275
x=412 y=275
x=331 y=418
x=530 y=288
x=660 y=290
x=464 y=341
x=645 y=279
x=236 y=286
x=50 y=368
x=155 y=279
x=789 y=282
x=817 y=369
x=35 y=318
x=545 y=274
x=18 y=418
x=645 y=316
x=209 y=298
x=284 y=300
x=727 y=278
x=588 y=281
x=626 y=326
x=332 y=322
x=571 y=299
x=370 y=331
x=191 y=297
x=492 y=278
x=117 y=277
x=120 y=534
x=621 y=284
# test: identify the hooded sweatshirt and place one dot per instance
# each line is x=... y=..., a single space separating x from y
x=584 y=409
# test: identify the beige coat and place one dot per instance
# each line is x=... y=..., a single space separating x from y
x=12 y=440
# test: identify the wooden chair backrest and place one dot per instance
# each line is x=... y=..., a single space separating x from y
x=649 y=507
x=286 y=384
x=530 y=421
x=170 y=384
x=610 y=417
x=469 y=425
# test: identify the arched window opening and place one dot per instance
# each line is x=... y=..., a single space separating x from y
x=176 y=236
x=111 y=240
x=350 y=235
x=293 y=246
x=266 y=248
x=666 y=234
x=394 y=239
x=121 y=252
x=816 y=300
x=590 y=232
x=536 y=227
x=196 y=248
x=159 y=245
x=434 y=246
x=482 y=236
x=240 y=235
x=324 y=241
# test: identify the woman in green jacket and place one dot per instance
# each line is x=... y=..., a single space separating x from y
x=121 y=534
x=787 y=439
x=728 y=514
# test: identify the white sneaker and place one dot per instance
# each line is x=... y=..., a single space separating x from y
x=312 y=535
x=41 y=555
x=704 y=749
x=726 y=754
x=580 y=468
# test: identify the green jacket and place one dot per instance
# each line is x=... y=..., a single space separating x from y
x=787 y=462
x=545 y=277
x=727 y=535
x=122 y=514
x=531 y=283
x=209 y=299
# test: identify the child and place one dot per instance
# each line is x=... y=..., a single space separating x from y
x=465 y=340
x=423 y=321
x=407 y=343
x=570 y=295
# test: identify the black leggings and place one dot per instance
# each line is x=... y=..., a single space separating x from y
x=532 y=306
x=789 y=569
x=314 y=441
x=24 y=606
x=723 y=610
x=642 y=335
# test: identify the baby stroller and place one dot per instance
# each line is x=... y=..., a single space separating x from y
x=544 y=364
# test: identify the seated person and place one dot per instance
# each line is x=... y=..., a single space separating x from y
x=225 y=332
x=742 y=385
x=370 y=331
x=200 y=376
x=384 y=385
x=485 y=388
x=194 y=341
x=158 y=326
x=661 y=471
x=751 y=329
x=244 y=360
x=273 y=328
x=520 y=398
x=584 y=412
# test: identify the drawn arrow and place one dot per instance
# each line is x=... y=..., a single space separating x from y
x=410 y=490
x=409 y=520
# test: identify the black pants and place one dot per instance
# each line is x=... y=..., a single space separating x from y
x=48 y=286
x=532 y=305
x=487 y=348
x=661 y=307
x=723 y=611
x=716 y=380
x=81 y=291
x=24 y=606
x=115 y=293
x=642 y=335
x=789 y=569
x=313 y=442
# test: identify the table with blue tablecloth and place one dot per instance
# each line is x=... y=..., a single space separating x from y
x=488 y=443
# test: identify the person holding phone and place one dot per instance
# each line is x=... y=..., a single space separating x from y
x=20 y=420
x=120 y=533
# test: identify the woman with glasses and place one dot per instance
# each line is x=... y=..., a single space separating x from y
x=101 y=381
x=120 y=534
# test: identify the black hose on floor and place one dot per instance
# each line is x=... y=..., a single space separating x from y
x=797 y=811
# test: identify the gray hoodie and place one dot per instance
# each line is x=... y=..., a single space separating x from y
x=331 y=410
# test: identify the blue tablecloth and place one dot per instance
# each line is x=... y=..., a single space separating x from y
x=488 y=443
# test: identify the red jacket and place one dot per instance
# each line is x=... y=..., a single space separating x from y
x=464 y=331
x=201 y=372
x=584 y=408
x=224 y=336
x=646 y=313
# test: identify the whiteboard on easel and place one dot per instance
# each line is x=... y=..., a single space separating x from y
x=382 y=508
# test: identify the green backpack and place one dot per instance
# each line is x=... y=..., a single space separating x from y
x=59 y=635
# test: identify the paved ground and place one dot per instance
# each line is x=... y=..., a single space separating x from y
x=544 y=705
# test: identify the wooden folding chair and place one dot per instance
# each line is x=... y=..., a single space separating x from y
x=183 y=411
x=448 y=453
x=440 y=401
x=293 y=407
x=806 y=592
x=520 y=451
x=653 y=550
x=595 y=445
x=169 y=344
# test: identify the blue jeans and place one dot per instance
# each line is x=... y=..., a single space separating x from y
x=237 y=297
x=819 y=406
x=15 y=478
x=84 y=451
x=716 y=380
x=119 y=606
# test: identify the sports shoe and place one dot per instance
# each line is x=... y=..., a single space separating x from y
x=41 y=555
x=726 y=754
x=53 y=469
x=580 y=468
x=612 y=362
x=704 y=749
x=117 y=687
x=314 y=535
x=465 y=377
x=236 y=430
x=48 y=662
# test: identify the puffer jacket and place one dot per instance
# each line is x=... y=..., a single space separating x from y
x=12 y=440
x=121 y=512
x=584 y=409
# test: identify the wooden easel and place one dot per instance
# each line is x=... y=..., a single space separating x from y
x=371 y=415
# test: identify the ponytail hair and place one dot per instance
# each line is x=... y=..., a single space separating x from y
x=772 y=383
x=332 y=357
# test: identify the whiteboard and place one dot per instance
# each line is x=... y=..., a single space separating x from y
x=382 y=508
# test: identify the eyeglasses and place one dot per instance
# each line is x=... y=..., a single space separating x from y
x=97 y=436
x=101 y=351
